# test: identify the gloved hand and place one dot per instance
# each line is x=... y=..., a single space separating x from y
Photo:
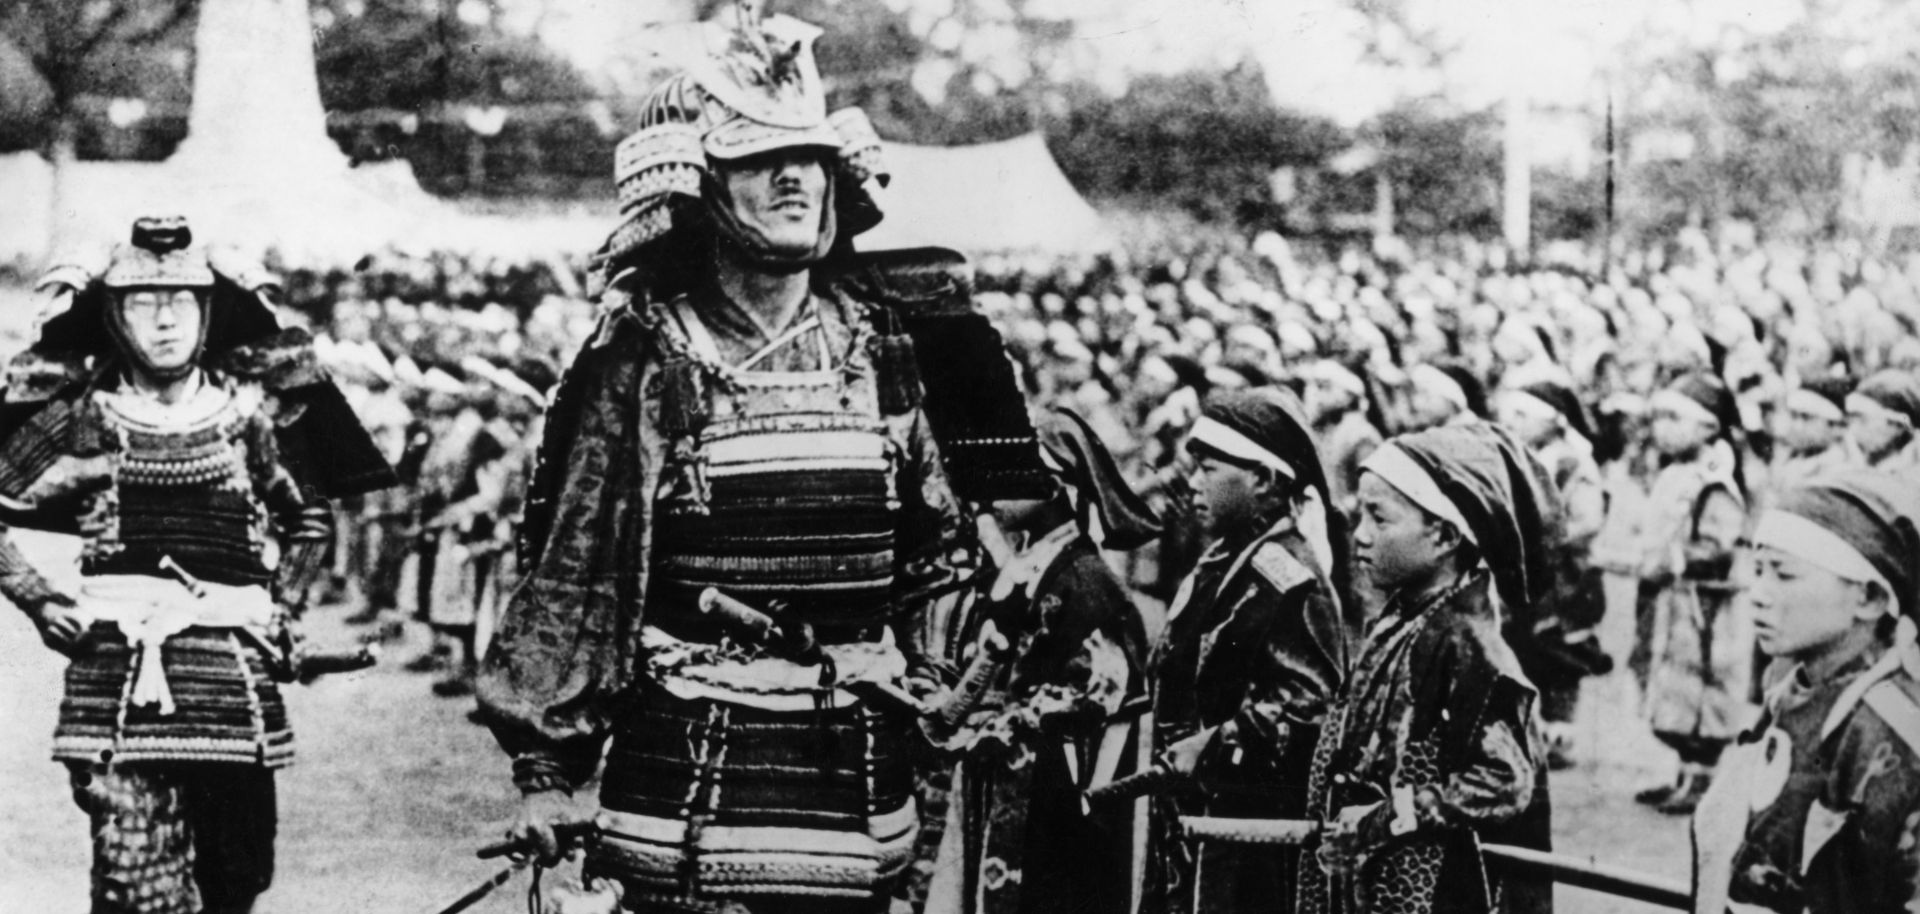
x=58 y=619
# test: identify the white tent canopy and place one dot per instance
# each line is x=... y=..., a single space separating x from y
x=1005 y=196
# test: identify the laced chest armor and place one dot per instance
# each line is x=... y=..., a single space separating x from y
x=181 y=488
x=784 y=494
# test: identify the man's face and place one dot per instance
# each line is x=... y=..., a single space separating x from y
x=1800 y=609
x=780 y=194
x=1394 y=540
x=1226 y=497
x=1875 y=429
x=163 y=326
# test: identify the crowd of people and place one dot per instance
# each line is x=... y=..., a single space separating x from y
x=1288 y=559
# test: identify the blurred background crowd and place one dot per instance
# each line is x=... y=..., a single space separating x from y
x=1409 y=212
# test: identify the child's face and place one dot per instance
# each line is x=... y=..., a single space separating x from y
x=1426 y=409
x=1394 y=540
x=1674 y=433
x=1801 y=610
x=1528 y=418
x=1226 y=497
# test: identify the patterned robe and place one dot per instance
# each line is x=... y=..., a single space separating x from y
x=1701 y=643
x=1025 y=843
x=1436 y=704
x=1255 y=645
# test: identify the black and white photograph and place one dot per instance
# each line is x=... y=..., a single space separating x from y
x=960 y=456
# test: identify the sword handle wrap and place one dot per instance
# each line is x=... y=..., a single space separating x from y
x=1133 y=786
x=567 y=833
x=756 y=626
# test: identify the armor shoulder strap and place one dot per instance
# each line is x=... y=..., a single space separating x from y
x=1897 y=708
x=1273 y=562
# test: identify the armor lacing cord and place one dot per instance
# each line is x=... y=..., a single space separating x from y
x=706 y=793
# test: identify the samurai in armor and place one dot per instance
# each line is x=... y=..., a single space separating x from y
x=741 y=426
x=1434 y=746
x=192 y=445
x=1018 y=837
x=1817 y=807
x=1254 y=650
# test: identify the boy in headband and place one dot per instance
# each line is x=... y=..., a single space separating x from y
x=1694 y=645
x=1434 y=744
x=1254 y=649
x=1443 y=394
x=1559 y=646
x=1810 y=427
x=1818 y=807
x=1881 y=416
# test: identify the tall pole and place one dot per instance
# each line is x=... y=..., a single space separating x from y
x=1516 y=221
x=1606 y=240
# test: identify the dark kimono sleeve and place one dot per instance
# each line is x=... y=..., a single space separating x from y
x=1295 y=673
x=28 y=455
x=1480 y=710
x=935 y=544
x=564 y=646
x=302 y=520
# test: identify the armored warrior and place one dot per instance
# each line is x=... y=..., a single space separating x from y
x=192 y=445
x=738 y=506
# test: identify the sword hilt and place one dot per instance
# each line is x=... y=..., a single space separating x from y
x=978 y=680
x=748 y=622
x=565 y=833
x=1133 y=786
x=186 y=578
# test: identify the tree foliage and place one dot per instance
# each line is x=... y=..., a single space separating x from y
x=80 y=47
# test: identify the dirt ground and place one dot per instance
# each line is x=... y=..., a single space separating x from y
x=394 y=789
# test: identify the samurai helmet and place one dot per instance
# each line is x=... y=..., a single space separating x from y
x=753 y=88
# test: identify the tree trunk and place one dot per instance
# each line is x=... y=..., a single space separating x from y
x=62 y=151
x=256 y=96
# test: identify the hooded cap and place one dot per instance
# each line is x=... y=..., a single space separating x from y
x=1895 y=391
x=1859 y=524
x=1482 y=483
x=1105 y=507
x=1701 y=395
x=1453 y=383
x=1563 y=401
x=1822 y=397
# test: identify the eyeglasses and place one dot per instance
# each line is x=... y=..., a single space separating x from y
x=146 y=305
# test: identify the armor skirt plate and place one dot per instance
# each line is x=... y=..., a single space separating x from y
x=710 y=800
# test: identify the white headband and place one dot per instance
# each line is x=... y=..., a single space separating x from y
x=1820 y=547
x=1674 y=401
x=1213 y=434
x=1806 y=401
x=1861 y=403
x=1398 y=470
x=1440 y=384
